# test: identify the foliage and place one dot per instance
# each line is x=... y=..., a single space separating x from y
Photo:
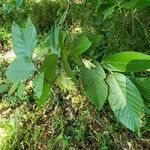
x=127 y=62
x=84 y=61
x=125 y=100
x=125 y=103
x=94 y=85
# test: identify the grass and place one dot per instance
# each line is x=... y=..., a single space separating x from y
x=68 y=121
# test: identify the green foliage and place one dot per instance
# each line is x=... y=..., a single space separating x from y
x=94 y=85
x=7 y=8
x=125 y=101
x=13 y=89
x=141 y=3
x=24 y=42
x=136 y=4
x=98 y=78
x=18 y=3
x=127 y=62
x=23 y=45
x=49 y=67
x=45 y=93
x=65 y=83
x=57 y=38
x=9 y=5
x=19 y=70
x=108 y=12
x=38 y=84
x=20 y=91
x=82 y=45
x=143 y=84
x=3 y=87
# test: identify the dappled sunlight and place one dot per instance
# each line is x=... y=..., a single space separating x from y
x=79 y=1
x=5 y=129
x=76 y=29
x=2 y=133
x=38 y=1
x=8 y=56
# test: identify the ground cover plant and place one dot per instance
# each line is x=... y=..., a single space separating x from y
x=89 y=63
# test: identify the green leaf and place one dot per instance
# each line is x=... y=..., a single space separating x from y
x=49 y=67
x=83 y=44
x=143 y=84
x=45 y=93
x=66 y=67
x=19 y=70
x=94 y=85
x=108 y=12
x=7 y=7
x=62 y=17
x=13 y=89
x=18 y=3
x=136 y=4
x=29 y=37
x=142 y=3
x=128 y=61
x=18 y=42
x=3 y=88
x=20 y=90
x=57 y=38
x=24 y=42
x=98 y=3
x=96 y=70
x=96 y=40
x=38 y=84
x=125 y=101
x=129 y=5
x=62 y=38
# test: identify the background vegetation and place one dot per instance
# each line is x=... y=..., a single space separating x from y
x=68 y=120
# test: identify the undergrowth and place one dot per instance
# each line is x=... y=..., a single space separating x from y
x=67 y=120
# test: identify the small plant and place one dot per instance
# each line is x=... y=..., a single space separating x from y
x=111 y=79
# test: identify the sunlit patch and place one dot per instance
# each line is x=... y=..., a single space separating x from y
x=88 y=64
x=38 y=1
x=76 y=29
x=2 y=135
x=78 y=1
x=9 y=56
